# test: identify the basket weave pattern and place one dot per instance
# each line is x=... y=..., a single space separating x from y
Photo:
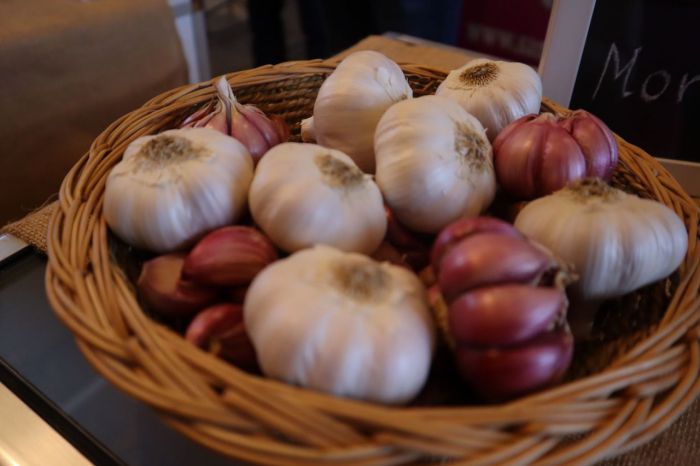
x=263 y=421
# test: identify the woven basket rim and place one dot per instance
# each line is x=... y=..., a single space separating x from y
x=234 y=412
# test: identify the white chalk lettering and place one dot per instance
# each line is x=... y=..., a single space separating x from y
x=614 y=55
x=646 y=97
x=685 y=84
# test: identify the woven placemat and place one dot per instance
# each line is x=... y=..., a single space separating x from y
x=33 y=228
x=677 y=446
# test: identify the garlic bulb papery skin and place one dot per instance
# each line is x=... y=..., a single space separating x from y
x=617 y=242
x=171 y=188
x=341 y=323
x=351 y=101
x=434 y=163
x=495 y=92
x=305 y=194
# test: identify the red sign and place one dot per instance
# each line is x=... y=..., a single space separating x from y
x=509 y=29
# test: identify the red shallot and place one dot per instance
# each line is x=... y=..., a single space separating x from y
x=219 y=329
x=539 y=154
x=229 y=256
x=163 y=289
x=506 y=307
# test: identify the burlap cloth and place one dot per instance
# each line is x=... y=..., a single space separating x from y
x=679 y=445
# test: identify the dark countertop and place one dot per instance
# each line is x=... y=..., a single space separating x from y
x=43 y=352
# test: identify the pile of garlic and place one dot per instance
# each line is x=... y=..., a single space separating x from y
x=354 y=211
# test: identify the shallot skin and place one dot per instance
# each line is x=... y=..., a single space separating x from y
x=499 y=373
x=460 y=229
x=504 y=315
x=229 y=256
x=489 y=259
x=163 y=289
x=220 y=330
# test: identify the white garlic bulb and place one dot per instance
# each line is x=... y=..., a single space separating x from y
x=434 y=163
x=343 y=324
x=616 y=241
x=171 y=188
x=351 y=101
x=305 y=194
x=495 y=92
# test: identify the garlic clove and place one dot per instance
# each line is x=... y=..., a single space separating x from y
x=307 y=130
x=219 y=329
x=282 y=128
x=202 y=122
x=488 y=259
x=507 y=372
x=245 y=131
x=162 y=288
x=191 y=121
x=505 y=315
x=262 y=123
x=218 y=121
x=229 y=256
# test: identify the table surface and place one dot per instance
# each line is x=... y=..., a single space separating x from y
x=43 y=351
x=122 y=430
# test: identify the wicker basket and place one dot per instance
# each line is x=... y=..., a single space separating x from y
x=632 y=396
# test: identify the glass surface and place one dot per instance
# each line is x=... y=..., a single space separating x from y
x=38 y=346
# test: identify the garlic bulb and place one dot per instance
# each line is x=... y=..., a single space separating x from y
x=434 y=163
x=305 y=194
x=616 y=241
x=341 y=323
x=171 y=188
x=351 y=101
x=495 y=92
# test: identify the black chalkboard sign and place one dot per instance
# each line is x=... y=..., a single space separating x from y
x=640 y=72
